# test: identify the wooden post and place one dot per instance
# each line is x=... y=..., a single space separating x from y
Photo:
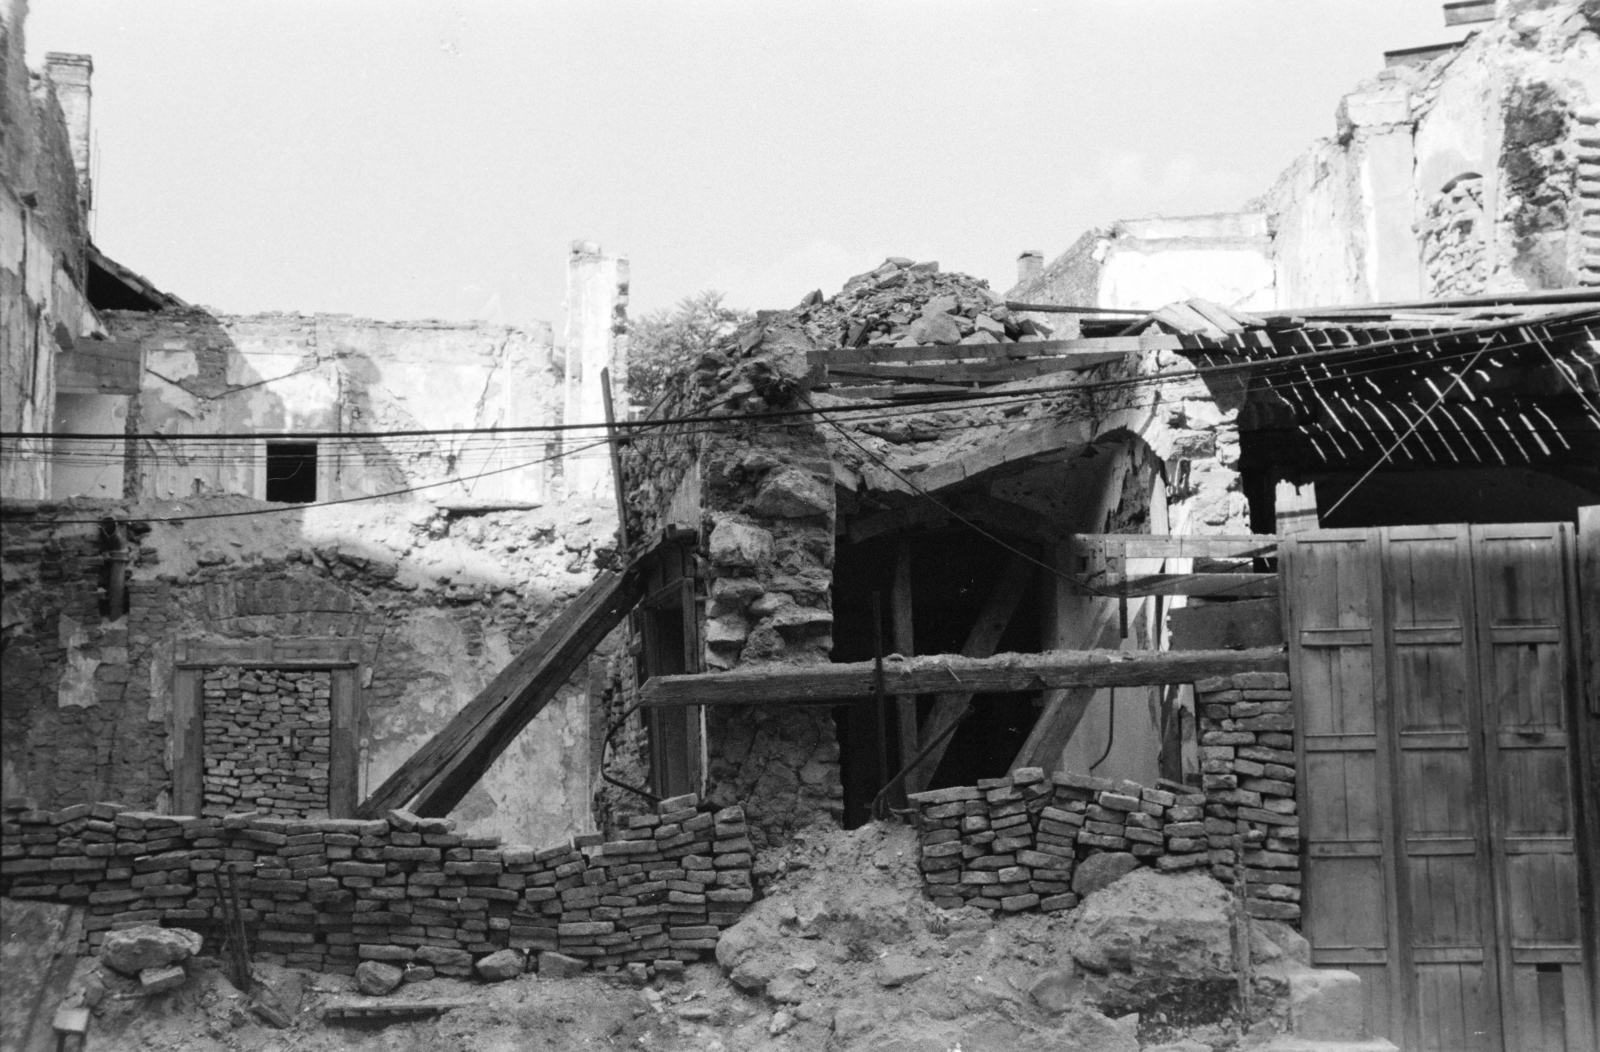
x=615 y=445
x=904 y=645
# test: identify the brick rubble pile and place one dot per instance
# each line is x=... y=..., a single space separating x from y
x=266 y=741
x=327 y=894
x=1012 y=844
x=905 y=304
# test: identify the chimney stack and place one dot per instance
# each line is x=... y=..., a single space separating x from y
x=1030 y=264
x=69 y=76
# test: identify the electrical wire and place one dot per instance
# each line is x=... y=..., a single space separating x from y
x=1289 y=361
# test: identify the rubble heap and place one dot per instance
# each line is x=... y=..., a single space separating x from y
x=907 y=304
x=1026 y=841
x=405 y=890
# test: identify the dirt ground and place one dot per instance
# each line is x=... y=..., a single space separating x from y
x=842 y=952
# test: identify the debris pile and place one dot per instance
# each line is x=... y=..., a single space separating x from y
x=327 y=895
x=1014 y=843
x=904 y=303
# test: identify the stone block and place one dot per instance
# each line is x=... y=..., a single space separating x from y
x=160 y=980
x=375 y=978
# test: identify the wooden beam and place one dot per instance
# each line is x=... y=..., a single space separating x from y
x=980 y=372
x=932 y=673
x=1175 y=546
x=450 y=763
x=1059 y=719
x=1231 y=585
x=1096 y=345
x=982 y=639
x=1013 y=518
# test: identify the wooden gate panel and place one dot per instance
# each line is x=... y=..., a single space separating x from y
x=1349 y=904
x=1442 y=850
x=1525 y=653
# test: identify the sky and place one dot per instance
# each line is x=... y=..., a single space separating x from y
x=404 y=160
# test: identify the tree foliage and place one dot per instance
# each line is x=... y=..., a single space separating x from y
x=664 y=343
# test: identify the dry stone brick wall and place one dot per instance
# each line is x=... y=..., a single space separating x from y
x=1015 y=843
x=1018 y=843
x=1250 y=774
x=327 y=894
x=267 y=741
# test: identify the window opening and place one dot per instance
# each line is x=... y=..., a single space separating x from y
x=292 y=472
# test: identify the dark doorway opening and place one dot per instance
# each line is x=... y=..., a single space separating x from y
x=292 y=472
x=953 y=571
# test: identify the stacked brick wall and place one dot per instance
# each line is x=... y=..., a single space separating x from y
x=327 y=894
x=1453 y=245
x=1249 y=772
x=266 y=741
x=1012 y=844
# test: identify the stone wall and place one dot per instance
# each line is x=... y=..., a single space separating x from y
x=761 y=494
x=328 y=894
x=1453 y=248
x=266 y=741
x=1031 y=841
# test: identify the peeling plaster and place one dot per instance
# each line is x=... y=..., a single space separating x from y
x=77 y=689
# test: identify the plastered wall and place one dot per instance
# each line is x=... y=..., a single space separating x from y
x=438 y=603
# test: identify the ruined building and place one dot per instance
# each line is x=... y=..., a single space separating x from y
x=1260 y=545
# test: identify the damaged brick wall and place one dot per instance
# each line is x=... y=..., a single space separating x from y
x=328 y=894
x=437 y=603
x=1017 y=843
x=266 y=735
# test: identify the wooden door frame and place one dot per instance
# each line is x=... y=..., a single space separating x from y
x=341 y=658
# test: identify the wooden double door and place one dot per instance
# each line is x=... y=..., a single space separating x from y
x=1442 y=749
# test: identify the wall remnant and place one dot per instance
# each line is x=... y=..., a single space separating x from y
x=328 y=894
x=1031 y=841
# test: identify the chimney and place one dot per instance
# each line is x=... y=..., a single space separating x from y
x=69 y=76
x=1029 y=265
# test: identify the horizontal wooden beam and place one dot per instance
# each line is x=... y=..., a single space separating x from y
x=1174 y=546
x=996 y=371
x=1220 y=585
x=948 y=673
x=940 y=352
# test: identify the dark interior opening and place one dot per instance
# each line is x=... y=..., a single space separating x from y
x=292 y=472
x=952 y=573
x=108 y=291
x=672 y=768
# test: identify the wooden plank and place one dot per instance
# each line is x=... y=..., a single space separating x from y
x=1098 y=345
x=1059 y=719
x=441 y=772
x=905 y=645
x=1224 y=626
x=933 y=673
x=344 y=718
x=1175 y=546
x=980 y=372
x=188 y=742
x=1230 y=585
x=982 y=639
x=1586 y=715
